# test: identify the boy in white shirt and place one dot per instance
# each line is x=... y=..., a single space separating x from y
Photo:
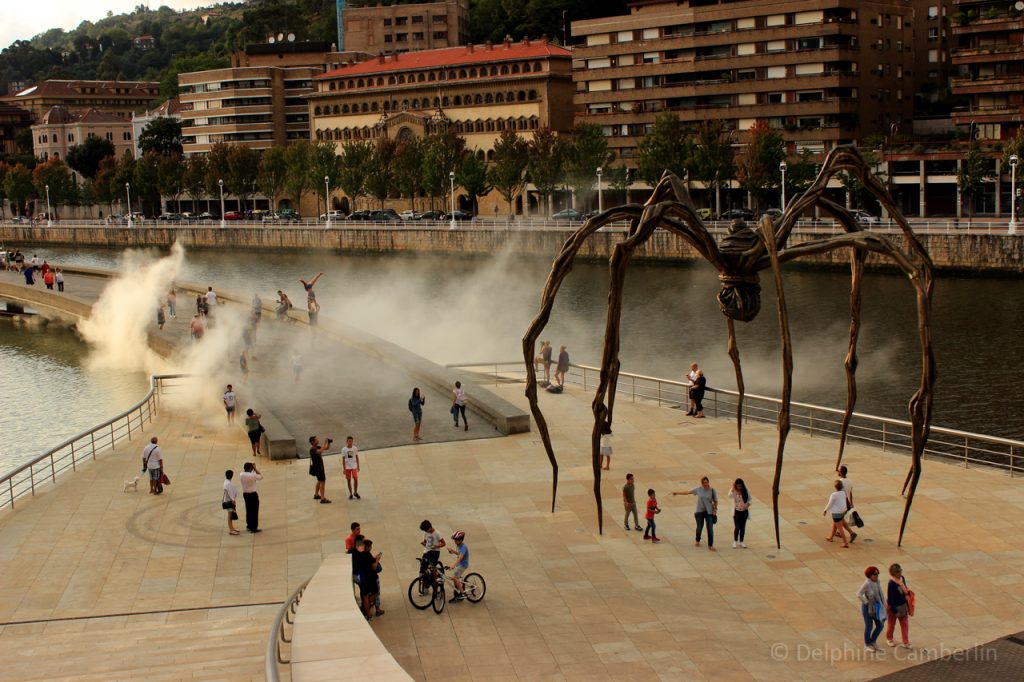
x=350 y=463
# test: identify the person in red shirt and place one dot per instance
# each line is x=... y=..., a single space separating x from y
x=652 y=509
x=350 y=541
x=48 y=277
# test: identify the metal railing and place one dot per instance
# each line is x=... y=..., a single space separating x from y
x=285 y=616
x=961 y=447
x=75 y=451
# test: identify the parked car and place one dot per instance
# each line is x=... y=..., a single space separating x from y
x=232 y=215
x=409 y=215
x=590 y=214
x=568 y=214
x=289 y=214
x=705 y=213
x=737 y=214
x=206 y=215
x=865 y=218
x=432 y=215
x=388 y=215
x=332 y=215
x=361 y=214
x=773 y=213
x=172 y=217
x=21 y=219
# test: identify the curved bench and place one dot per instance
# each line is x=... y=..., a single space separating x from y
x=331 y=639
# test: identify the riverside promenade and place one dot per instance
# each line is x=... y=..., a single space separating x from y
x=96 y=584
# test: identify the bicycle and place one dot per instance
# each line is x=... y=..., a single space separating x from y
x=427 y=589
x=474 y=587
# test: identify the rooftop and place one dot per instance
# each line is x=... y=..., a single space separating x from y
x=70 y=88
x=451 y=56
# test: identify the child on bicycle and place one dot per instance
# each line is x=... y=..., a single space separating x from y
x=432 y=543
x=459 y=568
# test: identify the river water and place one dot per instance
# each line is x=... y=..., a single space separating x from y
x=454 y=309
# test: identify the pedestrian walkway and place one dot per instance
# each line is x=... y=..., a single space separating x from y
x=100 y=584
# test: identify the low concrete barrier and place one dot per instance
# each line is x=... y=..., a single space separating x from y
x=331 y=639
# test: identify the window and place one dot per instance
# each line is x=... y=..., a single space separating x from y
x=933 y=12
x=775 y=72
x=440 y=35
x=602 y=63
x=417 y=36
x=775 y=46
x=810 y=96
x=624 y=36
x=774 y=98
x=933 y=33
x=401 y=37
x=651 y=58
x=599 y=39
x=775 y=20
x=417 y=20
x=439 y=19
x=652 y=33
x=110 y=136
x=387 y=21
x=933 y=56
x=746 y=75
x=401 y=21
x=933 y=74
x=71 y=138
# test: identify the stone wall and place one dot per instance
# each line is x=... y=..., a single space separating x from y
x=956 y=251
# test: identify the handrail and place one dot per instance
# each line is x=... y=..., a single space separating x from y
x=135 y=417
x=277 y=636
x=950 y=444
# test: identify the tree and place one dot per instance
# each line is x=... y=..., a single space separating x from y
x=146 y=183
x=1015 y=147
x=408 y=164
x=170 y=171
x=243 y=169
x=666 y=148
x=714 y=159
x=380 y=180
x=299 y=161
x=508 y=172
x=217 y=169
x=272 y=173
x=442 y=153
x=620 y=179
x=85 y=157
x=800 y=173
x=18 y=187
x=854 y=185
x=587 y=151
x=545 y=163
x=325 y=164
x=193 y=179
x=758 y=169
x=161 y=135
x=975 y=170
x=472 y=177
x=354 y=166
x=56 y=175
x=104 y=183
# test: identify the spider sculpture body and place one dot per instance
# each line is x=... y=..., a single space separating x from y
x=741 y=255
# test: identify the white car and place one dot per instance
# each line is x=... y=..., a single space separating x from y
x=865 y=218
x=409 y=215
x=333 y=215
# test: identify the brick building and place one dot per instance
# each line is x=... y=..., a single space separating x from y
x=13 y=120
x=120 y=98
x=62 y=129
x=403 y=28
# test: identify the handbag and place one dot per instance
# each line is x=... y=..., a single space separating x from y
x=857 y=520
x=881 y=613
x=227 y=505
x=164 y=480
x=312 y=470
x=714 y=518
x=902 y=611
x=234 y=515
x=454 y=409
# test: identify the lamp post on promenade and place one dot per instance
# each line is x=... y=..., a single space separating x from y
x=220 y=183
x=600 y=203
x=327 y=200
x=1013 y=194
x=128 y=191
x=782 y=167
x=451 y=178
x=49 y=213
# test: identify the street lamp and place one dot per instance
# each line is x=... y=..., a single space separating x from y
x=220 y=183
x=782 y=167
x=451 y=178
x=327 y=200
x=49 y=214
x=600 y=203
x=1014 y=193
x=128 y=191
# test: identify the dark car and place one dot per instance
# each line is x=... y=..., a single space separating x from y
x=232 y=215
x=388 y=215
x=360 y=215
x=591 y=214
x=289 y=214
x=737 y=214
x=458 y=215
x=568 y=214
x=175 y=217
x=432 y=215
x=206 y=215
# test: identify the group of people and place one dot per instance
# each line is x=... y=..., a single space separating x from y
x=695 y=394
x=349 y=465
x=50 y=275
x=543 y=360
x=458 y=408
x=705 y=514
x=878 y=610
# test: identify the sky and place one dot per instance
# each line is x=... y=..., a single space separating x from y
x=22 y=20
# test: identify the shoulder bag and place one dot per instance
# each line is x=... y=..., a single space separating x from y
x=226 y=502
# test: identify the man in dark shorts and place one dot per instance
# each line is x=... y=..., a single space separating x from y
x=316 y=467
x=545 y=356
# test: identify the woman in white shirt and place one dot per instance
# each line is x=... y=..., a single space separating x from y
x=837 y=506
x=228 y=501
x=740 y=512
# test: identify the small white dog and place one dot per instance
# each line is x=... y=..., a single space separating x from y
x=132 y=485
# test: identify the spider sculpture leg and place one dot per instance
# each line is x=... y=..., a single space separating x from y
x=857 y=272
x=920 y=275
x=734 y=354
x=560 y=269
x=768 y=235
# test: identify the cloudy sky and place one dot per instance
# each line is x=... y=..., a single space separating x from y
x=22 y=19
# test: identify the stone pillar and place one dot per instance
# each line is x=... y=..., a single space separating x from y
x=922 y=185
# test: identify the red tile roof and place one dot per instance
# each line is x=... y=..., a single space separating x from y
x=451 y=56
x=70 y=88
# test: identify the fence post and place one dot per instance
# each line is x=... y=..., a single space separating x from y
x=810 y=424
x=634 y=389
x=883 y=436
x=1011 y=461
x=584 y=378
x=10 y=490
x=128 y=421
x=73 y=468
x=142 y=420
x=92 y=443
x=966 y=451
x=112 y=441
x=53 y=469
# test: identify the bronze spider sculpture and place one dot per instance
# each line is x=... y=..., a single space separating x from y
x=740 y=256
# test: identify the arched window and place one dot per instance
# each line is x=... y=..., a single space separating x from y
x=457 y=100
x=490 y=155
x=316 y=111
x=510 y=97
x=431 y=77
x=391 y=80
x=499 y=98
x=332 y=86
x=380 y=81
x=463 y=74
x=472 y=72
x=361 y=83
x=319 y=134
x=445 y=101
x=451 y=75
x=501 y=124
x=532 y=96
x=401 y=79
x=521 y=124
x=489 y=126
x=387 y=106
x=488 y=98
x=405 y=104
x=480 y=155
x=478 y=99
x=373 y=106
x=520 y=96
x=365 y=108
x=515 y=68
x=504 y=69
x=437 y=101
x=494 y=70
x=420 y=77
x=536 y=67
x=344 y=109
x=479 y=126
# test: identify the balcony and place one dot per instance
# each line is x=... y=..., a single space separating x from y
x=1000 y=113
x=995 y=25
x=988 y=53
x=978 y=85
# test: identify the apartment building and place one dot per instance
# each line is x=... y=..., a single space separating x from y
x=821 y=72
x=257 y=102
x=13 y=120
x=406 y=27
x=480 y=90
x=988 y=56
x=932 y=42
x=61 y=129
x=120 y=98
x=169 y=109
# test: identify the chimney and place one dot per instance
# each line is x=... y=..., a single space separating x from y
x=544 y=40
x=469 y=48
x=489 y=46
x=508 y=42
x=380 y=58
x=526 y=41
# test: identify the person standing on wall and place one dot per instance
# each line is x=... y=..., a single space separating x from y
x=317 y=469
x=249 y=479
